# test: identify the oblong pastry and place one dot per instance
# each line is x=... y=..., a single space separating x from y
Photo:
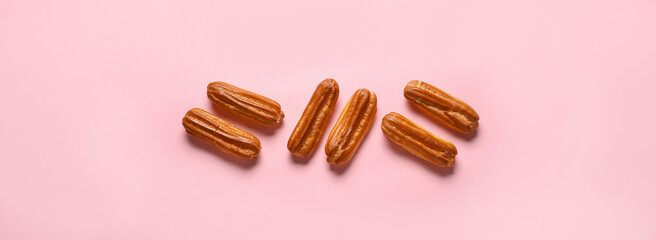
x=245 y=104
x=418 y=140
x=447 y=109
x=310 y=127
x=351 y=127
x=221 y=134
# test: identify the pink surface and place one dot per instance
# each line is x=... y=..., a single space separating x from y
x=93 y=92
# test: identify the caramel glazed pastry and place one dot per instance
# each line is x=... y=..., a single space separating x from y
x=221 y=134
x=310 y=127
x=351 y=127
x=418 y=140
x=245 y=104
x=447 y=109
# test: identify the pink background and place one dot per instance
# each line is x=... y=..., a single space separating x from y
x=93 y=92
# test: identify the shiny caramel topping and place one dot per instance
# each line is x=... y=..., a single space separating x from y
x=245 y=104
x=351 y=127
x=221 y=134
x=310 y=127
x=418 y=140
x=440 y=105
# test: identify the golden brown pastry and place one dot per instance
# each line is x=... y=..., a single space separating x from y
x=221 y=134
x=418 y=140
x=353 y=123
x=245 y=104
x=447 y=109
x=312 y=124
